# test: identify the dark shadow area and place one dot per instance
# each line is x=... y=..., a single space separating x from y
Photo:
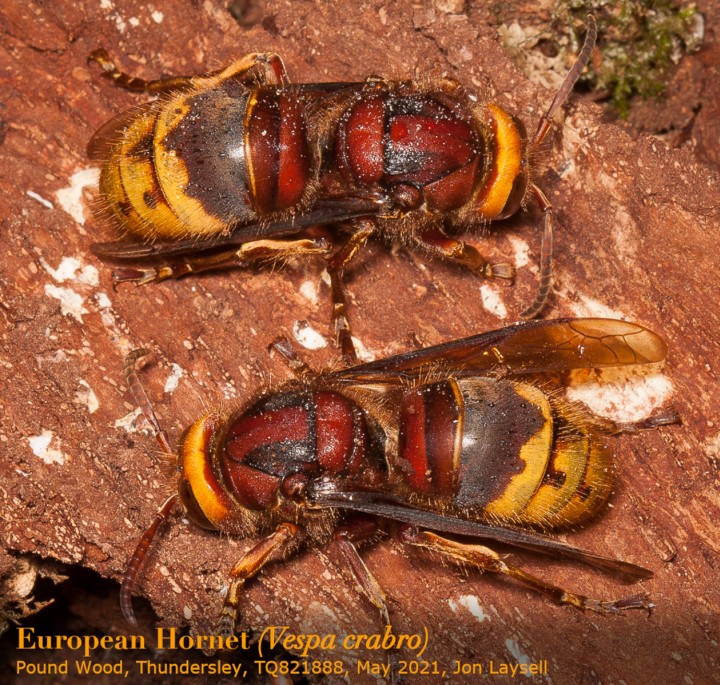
x=86 y=607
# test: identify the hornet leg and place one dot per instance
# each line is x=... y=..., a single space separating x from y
x=461 y=253
x=336 y=267
x=255 y=252
x=257 y=67
x=485 y=559
x=248 y=567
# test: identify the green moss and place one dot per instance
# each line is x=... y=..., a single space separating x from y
x=638 y=41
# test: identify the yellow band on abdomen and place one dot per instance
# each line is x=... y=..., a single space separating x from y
x=507 y=165
x=197 y=469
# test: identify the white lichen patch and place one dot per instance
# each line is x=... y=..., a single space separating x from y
x=229 y=391
x=71 y=303
x=521 y=251
x=157 y=16
x=307 y=336
x=566 y=168
x=86 y=396
x=118 y=338
x=363 y=353
x=173 y=584
x=514 y=648
x=68 y=271
x=70 y=198
x=630 y=393
x=120 y=23
x=576 y=141
x=589 y=306
x=40 y=446
x=103 y=301
x=40 y=199
x=492 y=302
x=129 y=422
x=549 y=71
x=89 y=276
x=626 y=234
x=309 y=290
x=173 y=379
x=471 y=603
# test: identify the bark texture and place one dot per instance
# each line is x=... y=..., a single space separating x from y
x=637 y=236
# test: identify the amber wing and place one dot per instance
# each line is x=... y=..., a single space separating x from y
x=530 y=347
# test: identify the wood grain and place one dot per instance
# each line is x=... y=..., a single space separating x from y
x=638 y=228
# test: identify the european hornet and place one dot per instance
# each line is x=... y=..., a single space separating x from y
x=238 y=167
x=470 y=438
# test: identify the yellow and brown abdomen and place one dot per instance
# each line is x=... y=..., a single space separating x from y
x=502 y=450
x=199 y=163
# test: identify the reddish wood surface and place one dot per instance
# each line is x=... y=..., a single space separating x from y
x=637 y=231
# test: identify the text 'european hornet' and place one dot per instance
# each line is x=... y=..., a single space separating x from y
x=239 y=167
x=471 y=438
